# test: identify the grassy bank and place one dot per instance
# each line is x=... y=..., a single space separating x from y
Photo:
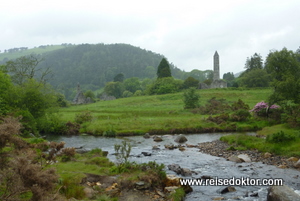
x=278 y=139
x=159 y=113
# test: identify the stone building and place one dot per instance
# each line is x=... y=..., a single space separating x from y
x=80 y=97
x=217 y=82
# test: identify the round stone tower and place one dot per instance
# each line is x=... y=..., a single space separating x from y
x=216 y=66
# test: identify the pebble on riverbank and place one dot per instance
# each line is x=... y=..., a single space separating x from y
x=220 y=149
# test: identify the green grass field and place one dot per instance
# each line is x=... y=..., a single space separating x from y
x=35 y=50
x=155 y=114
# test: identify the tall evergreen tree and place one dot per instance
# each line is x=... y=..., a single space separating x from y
x=255 y=62
x=163 y=69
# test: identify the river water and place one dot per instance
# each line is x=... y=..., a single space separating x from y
x=202 y=164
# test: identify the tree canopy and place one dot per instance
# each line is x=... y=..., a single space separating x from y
x=163 y=69
x=284 y=68
x=26 y=67
x=254 y=62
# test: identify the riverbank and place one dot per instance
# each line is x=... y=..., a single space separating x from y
x=222 y=149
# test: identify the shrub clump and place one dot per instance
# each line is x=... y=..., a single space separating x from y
x=191 y=99
x=83 y=117
x=262 y=109
x=239 y=105
x=240 y=115
x=214 y=106
x=219 y=119
x=280 y=137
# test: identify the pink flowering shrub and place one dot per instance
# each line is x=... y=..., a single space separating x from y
x=262 y=108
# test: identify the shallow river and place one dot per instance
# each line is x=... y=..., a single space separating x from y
x=194 y=160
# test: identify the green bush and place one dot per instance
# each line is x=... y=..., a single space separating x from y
x=84 y=116
x=100 y=161
x=51 y=123
x=239 y=105
x=127 y=94
x=28 y=122
x=240 y=115
x=280 y=137
x=191 y=98
x=71 y=188
x=122 y=151
x=214 y=106
x=110 y=132
x=164 y=86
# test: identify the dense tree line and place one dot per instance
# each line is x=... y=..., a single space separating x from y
x=94 y=65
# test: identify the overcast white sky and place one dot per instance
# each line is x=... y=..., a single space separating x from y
x=186 y=32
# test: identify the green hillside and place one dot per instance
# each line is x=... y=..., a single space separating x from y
x=19 y=52
x=93 y=65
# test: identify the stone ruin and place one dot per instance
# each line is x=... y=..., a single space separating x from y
x=217 y=82
x=80 y=98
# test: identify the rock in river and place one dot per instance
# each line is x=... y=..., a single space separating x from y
x=284 y=193
x=180 y=139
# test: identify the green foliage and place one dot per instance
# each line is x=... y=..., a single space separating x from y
x=110 y=132
x=119 y=77
x=291 y=113
x=254 y=78
x=28 y=122
x=127 y=94
x=51 y=123
x=164 y=86
x=100 y=161
x=228 y=76
x=90 y=94
x=84 y=116
x=61 y=100
x=138 y=93
x=26 y=67
x=71 y=188
x=132 y=84
x=178 y=195
x=163 y=69
x=190 y=82
x=199 y=75
x=240 y=115
x=280 y=137
x=239 y=105
x=115 y=89
x=255 y=62
x=284 y=68
x=191 y=99
x=122 y=152
x=5 y=85
x=214 y=106
x=32 y=96
x=149 y=72
x=97 y=64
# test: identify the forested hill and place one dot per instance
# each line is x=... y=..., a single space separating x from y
x=94 y=65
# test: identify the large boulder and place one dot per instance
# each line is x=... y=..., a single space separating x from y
x=244 y=158
x=157 y=139
x=297 y=164
x=226 y=190
x=175 y=168
x=186 y=172
x=282 y=193
x=180 y=139
x=147 y=135
x=234 y=158
x=173 y=182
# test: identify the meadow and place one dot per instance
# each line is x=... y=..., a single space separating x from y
x=158 y=114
